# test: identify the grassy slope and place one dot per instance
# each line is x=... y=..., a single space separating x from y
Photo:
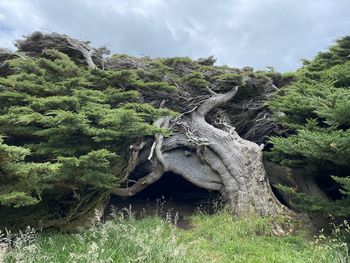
x=217 y=238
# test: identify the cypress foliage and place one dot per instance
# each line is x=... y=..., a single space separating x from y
x=316 y=107
x=66 y=129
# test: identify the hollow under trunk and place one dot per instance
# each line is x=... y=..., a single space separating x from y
x=214 y=159
x=226 y=163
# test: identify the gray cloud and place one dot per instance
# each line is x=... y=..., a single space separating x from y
x=239 y=33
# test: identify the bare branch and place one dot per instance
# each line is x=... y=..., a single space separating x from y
x=152 y=151
x=133 y=160
x=215 y=101
x=84 y=49
x=141 y=183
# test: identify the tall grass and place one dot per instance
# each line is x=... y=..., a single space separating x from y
x=214 y=238
x=119 y=240
x=221 y=238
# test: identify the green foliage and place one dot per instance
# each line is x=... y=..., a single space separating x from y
x=92 y=169
x=157 y=89
x=324 y=146
x=316 y=107
x=304 y=202
x=21 y=183
x=17 y=199
x=229 y=80
x=345 y=183
x=195 y=80
x=337 y=54
x=338 y=75
x=65 y=127
x=178 y=61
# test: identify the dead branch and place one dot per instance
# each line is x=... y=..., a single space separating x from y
x=215 y=101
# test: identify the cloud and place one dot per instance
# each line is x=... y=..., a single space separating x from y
x=239 y=33
x=17 y=18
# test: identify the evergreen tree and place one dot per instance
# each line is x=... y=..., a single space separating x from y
x=316 y=107
x=85 y=123
x=66 y=129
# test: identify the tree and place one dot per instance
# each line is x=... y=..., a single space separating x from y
x=221 y=159
x=79 y=51
x=66 y=126
x=316 y=107
x=92 y=126
x=337 y=54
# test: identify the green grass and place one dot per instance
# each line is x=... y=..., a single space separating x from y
x=220 y=238
x=215 y=238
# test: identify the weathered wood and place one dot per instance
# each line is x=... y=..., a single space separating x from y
x=225 y=162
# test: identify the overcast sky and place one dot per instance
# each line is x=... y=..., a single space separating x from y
x=239 y=33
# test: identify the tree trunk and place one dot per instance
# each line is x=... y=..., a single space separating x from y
x=216 y=159
x=296 y=178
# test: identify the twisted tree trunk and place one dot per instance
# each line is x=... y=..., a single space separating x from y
x=214 y=159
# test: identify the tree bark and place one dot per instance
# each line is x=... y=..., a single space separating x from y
x=296 y=178
x=217 y=159
x=86 y=51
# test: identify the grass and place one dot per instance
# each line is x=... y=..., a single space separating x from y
x=214 y=238
x=220 y=238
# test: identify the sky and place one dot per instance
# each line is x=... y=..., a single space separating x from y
x=257 y=33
